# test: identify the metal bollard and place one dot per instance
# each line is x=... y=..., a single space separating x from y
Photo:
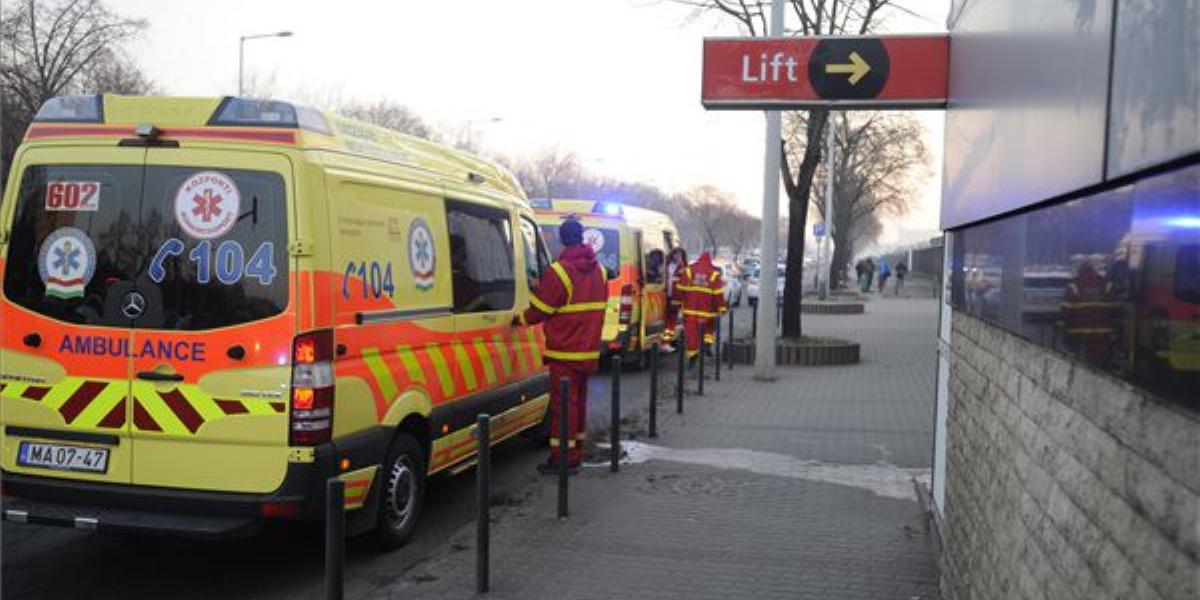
x=717 y=348
x=614 y=432
x=754 y=322
x=729 y=355
x=700 y=386
x=654 y=391
x=335 y=538
x=483 y=487
x=564 y=415
x=682 y=350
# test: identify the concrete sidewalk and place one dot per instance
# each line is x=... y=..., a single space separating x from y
x=800 y=488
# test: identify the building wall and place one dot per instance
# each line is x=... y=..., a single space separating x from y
x=1062 y=482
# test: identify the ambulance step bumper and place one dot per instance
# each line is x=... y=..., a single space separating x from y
x=118 y=520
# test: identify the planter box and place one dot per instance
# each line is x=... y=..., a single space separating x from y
x=846 y=353
x=832 y=307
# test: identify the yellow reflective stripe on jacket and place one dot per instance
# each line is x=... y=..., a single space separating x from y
x=562 y=355
x=698 y=313
x=584 y=307
x=714 y=276
x=566 y=281
x=542 y=306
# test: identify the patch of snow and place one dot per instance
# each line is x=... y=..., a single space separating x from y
x=881 y=478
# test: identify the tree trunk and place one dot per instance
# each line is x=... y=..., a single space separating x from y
x=840 y=262
x=798 y=191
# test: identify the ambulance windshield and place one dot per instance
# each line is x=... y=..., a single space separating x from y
x=149 y=247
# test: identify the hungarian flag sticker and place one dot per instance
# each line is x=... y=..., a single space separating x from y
x=66 y=262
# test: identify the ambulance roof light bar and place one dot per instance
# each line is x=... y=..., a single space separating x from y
x=72 y=109
x=607 y=208
x=254 y=112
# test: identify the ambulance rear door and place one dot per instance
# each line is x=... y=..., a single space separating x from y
x=64 y=340
x=212 y=305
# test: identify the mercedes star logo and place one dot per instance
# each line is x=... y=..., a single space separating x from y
x=133 y=305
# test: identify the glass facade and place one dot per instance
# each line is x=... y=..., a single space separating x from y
x=1111 y=279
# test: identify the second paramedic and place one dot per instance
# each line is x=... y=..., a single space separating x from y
x=571 y=299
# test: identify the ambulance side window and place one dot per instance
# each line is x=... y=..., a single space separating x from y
x=536 y=258
x=655 y=262
x=481 y=257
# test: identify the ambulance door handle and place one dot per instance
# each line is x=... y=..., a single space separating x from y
x=156 y=376
x=32 y=340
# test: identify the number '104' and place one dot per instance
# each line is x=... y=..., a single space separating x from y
x=229 y=263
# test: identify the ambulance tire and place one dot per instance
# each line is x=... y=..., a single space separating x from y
x=401 y=493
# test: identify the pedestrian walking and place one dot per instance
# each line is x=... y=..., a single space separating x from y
x=884 y=273
x=860 y=274
x=676 y=263
x=703 y=299
x=570 y=298
x=870 y=265
x=901 y=271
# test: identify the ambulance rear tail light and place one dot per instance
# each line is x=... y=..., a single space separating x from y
x=72 y=109
x=626 y=311
x=252 y=112
x=312 y=388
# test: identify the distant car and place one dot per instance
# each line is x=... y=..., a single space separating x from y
x=733 y=285
x=752 y=285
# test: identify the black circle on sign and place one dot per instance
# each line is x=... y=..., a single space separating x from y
x=837 y=52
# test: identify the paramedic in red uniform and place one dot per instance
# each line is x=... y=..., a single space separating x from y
x=571 y=299
x=703 y=300
x=676 y=263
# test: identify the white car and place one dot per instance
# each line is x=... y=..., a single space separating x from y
x=733 y=291
x=752 y=285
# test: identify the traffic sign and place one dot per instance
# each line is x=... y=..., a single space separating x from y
x=873 y=72
x=819 y=229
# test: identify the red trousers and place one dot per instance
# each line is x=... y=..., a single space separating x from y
x=577 y=382
x=691 y=328
x=673 y=311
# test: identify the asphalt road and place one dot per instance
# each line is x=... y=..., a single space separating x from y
x=286 y=560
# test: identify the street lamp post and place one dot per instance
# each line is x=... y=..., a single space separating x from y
x=470 y=136
x=242 y=53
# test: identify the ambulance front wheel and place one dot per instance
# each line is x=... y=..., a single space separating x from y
x=402 y=492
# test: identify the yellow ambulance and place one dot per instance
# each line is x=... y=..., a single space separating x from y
x=213 y=305
x=631 y=243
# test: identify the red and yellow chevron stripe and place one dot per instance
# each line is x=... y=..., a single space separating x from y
x=98 y=404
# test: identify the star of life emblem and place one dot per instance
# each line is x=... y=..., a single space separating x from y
x=66 y=262
x=422 y=254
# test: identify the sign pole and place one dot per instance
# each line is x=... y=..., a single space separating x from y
x=764 y=341
x=830 y=165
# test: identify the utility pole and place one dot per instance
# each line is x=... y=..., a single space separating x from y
x=764 y=341
x=830 y=163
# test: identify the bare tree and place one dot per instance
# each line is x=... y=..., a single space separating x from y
x=389 y=114
x=809 y=17
x=60 y=47
x=718 y=220
x=553 y=173
x=115 y=72
x=881 y=159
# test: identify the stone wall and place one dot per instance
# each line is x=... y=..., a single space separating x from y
x=1062 y=482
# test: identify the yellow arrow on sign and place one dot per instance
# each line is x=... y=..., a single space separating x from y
x=857 y=68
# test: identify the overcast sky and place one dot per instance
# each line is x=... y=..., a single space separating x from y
x=616 y=81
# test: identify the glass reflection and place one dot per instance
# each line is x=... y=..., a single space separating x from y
x=1112 y=279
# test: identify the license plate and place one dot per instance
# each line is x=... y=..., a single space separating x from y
x=63 y=457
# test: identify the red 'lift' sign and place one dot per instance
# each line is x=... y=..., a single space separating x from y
x=825 y=72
